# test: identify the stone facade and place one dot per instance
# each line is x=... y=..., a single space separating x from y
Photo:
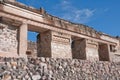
x=54 y=44
x=31 y=49
x=57 y=69
x=8 y=40
x=57 y=38
x=61 y=45
x=85 y=49
x=79 y=49
x=64 y=50
x=92 y=52
x=44 y=44
x=104 y=52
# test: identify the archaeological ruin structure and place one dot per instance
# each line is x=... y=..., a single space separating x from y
x=63 y=50
x=57 y=38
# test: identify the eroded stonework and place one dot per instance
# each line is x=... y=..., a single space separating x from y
x=8 y=39
x=58 y=38
x=44 y=44
x=61 y=45
x=92 y=52
x=79 y=49
x=31 y=49
x=63 y=50
x=57 y=69
x=54 y=44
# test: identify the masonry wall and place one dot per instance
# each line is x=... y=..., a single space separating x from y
x=61 y=45
x=79 y=28
x=54 y=44
x=115 y=57
x=8 y=40
x=115 y=54
x=79 y=49
x=32 y=49
x=44 y=44
x=104 y=52
x=92 y=50
x=57 y=69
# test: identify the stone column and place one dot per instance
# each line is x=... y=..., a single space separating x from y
x=44 y=44
x=104 y=52
x=79 y=48
x=23 y=40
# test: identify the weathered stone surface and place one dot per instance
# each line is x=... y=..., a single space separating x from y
x=54 y=44
x=31 y=49
x=58 y=69
x=79 y=49
x=55 y=38
x=8 y=39
x=54 y=41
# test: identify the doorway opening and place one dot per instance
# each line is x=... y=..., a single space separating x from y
x=32 y=44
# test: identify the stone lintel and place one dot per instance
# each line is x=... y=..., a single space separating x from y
x=55 y=28
x=10 y=21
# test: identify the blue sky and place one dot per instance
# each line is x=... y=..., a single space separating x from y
x=102 y=15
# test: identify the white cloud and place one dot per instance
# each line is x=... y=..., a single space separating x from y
x=65 y=2
x=74 y=14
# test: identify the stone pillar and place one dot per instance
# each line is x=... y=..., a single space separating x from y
x=44 y=44
x=104 y=52
x=23 y=40
x=54 y=44
x=79 y=48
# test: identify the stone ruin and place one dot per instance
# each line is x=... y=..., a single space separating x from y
x=63 y=50
x=57 y=38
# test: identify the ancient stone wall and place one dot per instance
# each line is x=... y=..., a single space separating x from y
x=64 y=24
x=85 y=49
x=32 y=49
x=57 y=69
x=12 y=0
x=115 y=57
x=61 y=45
x=92 y=52
x=79 y=49
x=49 y=45
x=115 y=53
x=103 y=52
x=8 y=39
x=44 y=44
x=54 y=44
